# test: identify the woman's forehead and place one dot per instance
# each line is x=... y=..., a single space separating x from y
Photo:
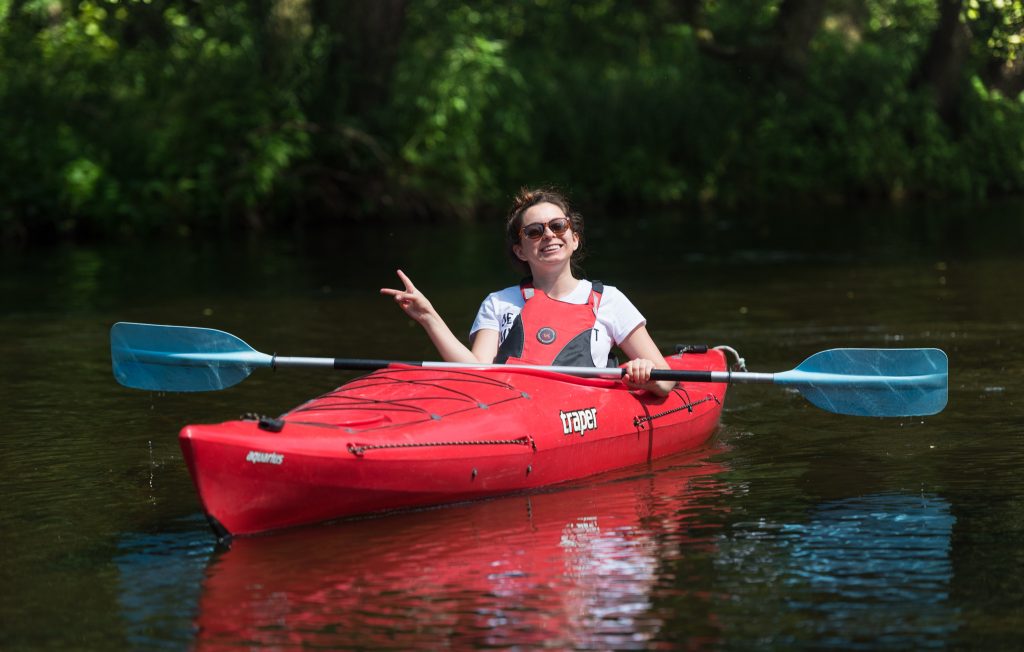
x=542 y=212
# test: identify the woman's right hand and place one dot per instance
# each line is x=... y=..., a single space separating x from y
x=411 y=300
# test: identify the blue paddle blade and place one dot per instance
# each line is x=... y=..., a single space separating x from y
x=873 y=382
x=180 y=358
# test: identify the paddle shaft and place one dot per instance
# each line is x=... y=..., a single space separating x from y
x=792 y=378
x=582 y=372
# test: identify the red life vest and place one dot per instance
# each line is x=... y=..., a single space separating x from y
x=551 y=332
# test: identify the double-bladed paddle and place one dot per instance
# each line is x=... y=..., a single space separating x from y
x=861 y=382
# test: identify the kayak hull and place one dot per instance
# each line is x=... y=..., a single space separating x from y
x=412 y=437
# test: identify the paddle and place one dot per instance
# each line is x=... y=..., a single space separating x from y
x=862 y=382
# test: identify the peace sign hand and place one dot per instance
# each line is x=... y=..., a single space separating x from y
x=411 y=300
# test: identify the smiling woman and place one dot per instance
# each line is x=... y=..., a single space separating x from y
x=553 y=317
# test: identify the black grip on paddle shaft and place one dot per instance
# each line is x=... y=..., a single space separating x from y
x=675 y=374
x=368 y=365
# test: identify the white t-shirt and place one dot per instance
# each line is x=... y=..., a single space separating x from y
x=617 y=317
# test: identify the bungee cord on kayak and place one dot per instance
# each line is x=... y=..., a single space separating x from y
x=359 y=449
x=355 y=397
x=687 y=405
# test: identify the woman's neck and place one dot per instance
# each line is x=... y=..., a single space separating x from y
x=556 y=285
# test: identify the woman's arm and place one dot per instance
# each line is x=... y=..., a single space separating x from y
x=644 y=357
x=416 y=305
x=485 y=345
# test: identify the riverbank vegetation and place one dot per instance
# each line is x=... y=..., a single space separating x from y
x=177 y=116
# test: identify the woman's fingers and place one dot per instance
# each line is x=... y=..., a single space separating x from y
x=401 y=298
x=638 y=372
x=406 y=295
x=410 y=299
x=409 y=287
x=406 y=281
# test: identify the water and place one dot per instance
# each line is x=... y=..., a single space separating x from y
x=794 y=528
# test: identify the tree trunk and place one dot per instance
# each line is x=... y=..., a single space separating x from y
x=362 y=38
x=941 y=68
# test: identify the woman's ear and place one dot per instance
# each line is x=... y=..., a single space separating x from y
x=518 y=251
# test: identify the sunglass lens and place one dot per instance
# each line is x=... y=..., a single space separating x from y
x=558 y=226
x=533 y=231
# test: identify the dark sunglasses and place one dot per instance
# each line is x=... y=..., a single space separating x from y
x=535 y=231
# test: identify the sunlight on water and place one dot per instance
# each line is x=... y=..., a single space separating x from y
x=879 y=560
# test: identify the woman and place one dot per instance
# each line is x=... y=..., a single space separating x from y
x=553 y=317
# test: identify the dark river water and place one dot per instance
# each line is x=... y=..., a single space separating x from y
x=794 y=528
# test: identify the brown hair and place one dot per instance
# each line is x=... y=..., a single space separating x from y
x=525 y=199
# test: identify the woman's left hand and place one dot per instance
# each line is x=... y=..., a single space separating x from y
x=638 y=373
x=646 y=357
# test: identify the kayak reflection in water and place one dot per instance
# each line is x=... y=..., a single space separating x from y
x=600 y=565
x=553 y=317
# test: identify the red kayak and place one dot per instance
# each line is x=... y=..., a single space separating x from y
x=407 y=437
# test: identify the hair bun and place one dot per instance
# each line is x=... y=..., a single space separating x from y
x=526 y=197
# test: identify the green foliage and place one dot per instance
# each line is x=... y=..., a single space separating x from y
x=999 y=25
x=452 y=89
x=137 y=115
x=126 y=116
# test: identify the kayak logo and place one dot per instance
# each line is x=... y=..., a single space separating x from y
x=259 y=457
x=578 y=421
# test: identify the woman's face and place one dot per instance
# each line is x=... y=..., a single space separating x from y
x=549 y=249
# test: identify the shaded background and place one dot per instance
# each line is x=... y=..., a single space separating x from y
x=172 y=116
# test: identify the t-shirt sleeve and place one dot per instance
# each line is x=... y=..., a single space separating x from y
x=486 y=316
x=619 y=313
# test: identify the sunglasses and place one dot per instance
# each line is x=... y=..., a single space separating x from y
x=535 y=231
